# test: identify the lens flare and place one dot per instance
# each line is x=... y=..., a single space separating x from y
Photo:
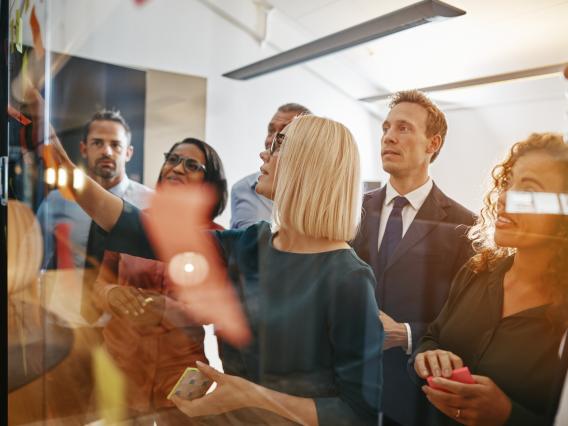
x=188 y=268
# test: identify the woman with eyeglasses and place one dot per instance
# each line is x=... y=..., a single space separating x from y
x=315 y=355
x=150 y=337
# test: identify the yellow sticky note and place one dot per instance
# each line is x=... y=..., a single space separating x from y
x=19 y=31
x=110 y=387
x=24 y=72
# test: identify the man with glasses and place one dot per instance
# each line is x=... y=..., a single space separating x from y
x=71 y=239
x=248 y=207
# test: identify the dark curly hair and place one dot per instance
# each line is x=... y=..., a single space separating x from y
x=214 y=172
x=488 y=254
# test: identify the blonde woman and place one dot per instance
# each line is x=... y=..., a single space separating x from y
x=315 y=353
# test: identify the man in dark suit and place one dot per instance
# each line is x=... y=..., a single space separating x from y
x=414 y=238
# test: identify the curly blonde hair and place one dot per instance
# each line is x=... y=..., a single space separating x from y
x=487 y=253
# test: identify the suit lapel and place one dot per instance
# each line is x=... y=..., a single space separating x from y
x=427 y=219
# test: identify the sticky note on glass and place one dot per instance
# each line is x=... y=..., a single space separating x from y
x=36 y=34
x=19 y=31
x=564 y=203
x=535 y=202
x=211 y=300
x=110 y=387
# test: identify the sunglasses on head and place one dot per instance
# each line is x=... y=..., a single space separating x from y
x=189 y=164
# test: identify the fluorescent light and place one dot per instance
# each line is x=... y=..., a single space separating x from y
x=399 y=20
x=540 y=72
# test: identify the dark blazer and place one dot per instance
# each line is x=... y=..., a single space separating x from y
x=414 y=285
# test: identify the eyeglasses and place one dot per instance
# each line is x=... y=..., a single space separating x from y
x=276 y=143
x=189 y=164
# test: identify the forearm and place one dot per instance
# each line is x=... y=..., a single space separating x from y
x=101 y=205
x=398 y=336
x=297 y=409
x=100 y=294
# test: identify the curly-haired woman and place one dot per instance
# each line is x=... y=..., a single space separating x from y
x=506 y=312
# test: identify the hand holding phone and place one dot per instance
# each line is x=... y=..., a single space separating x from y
x=191 y=385
x=461 y=375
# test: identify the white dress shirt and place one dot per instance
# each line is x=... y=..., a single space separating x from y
x=415 y=200
x=247 y=206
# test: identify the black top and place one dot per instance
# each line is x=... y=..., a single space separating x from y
x=313 y=319
x=519 y=352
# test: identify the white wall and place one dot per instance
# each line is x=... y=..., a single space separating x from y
x=183 y=36
x=175 y=110
x=480 y=136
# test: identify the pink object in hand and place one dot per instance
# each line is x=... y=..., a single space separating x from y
x=461 y=375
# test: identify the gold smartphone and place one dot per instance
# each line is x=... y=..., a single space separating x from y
x=191 y=385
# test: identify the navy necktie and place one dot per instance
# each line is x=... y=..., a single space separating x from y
x=391 y=237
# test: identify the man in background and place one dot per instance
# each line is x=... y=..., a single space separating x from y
x=71 y=238
x=248 y=207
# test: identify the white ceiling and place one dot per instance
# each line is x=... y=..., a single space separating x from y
x=494 y=37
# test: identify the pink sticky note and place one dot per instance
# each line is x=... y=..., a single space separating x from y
x=461 y=375
x=177 y=223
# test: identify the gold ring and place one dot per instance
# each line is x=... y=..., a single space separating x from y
x=458 y=414
x=148 y=300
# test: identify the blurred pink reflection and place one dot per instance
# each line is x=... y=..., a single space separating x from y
x=176 y=223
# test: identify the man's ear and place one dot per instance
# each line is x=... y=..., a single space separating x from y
x=129 y=152
x=83 y=149
x=434 y=144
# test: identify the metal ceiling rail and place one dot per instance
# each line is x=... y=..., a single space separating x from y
x=492 y=79
x=396 y=21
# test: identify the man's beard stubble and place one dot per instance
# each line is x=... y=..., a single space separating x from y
x=105 y=172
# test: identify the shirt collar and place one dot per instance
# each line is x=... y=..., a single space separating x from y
x=120 y=188
x=416 y=198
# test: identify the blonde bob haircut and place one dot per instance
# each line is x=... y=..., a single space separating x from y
x=317 y=190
